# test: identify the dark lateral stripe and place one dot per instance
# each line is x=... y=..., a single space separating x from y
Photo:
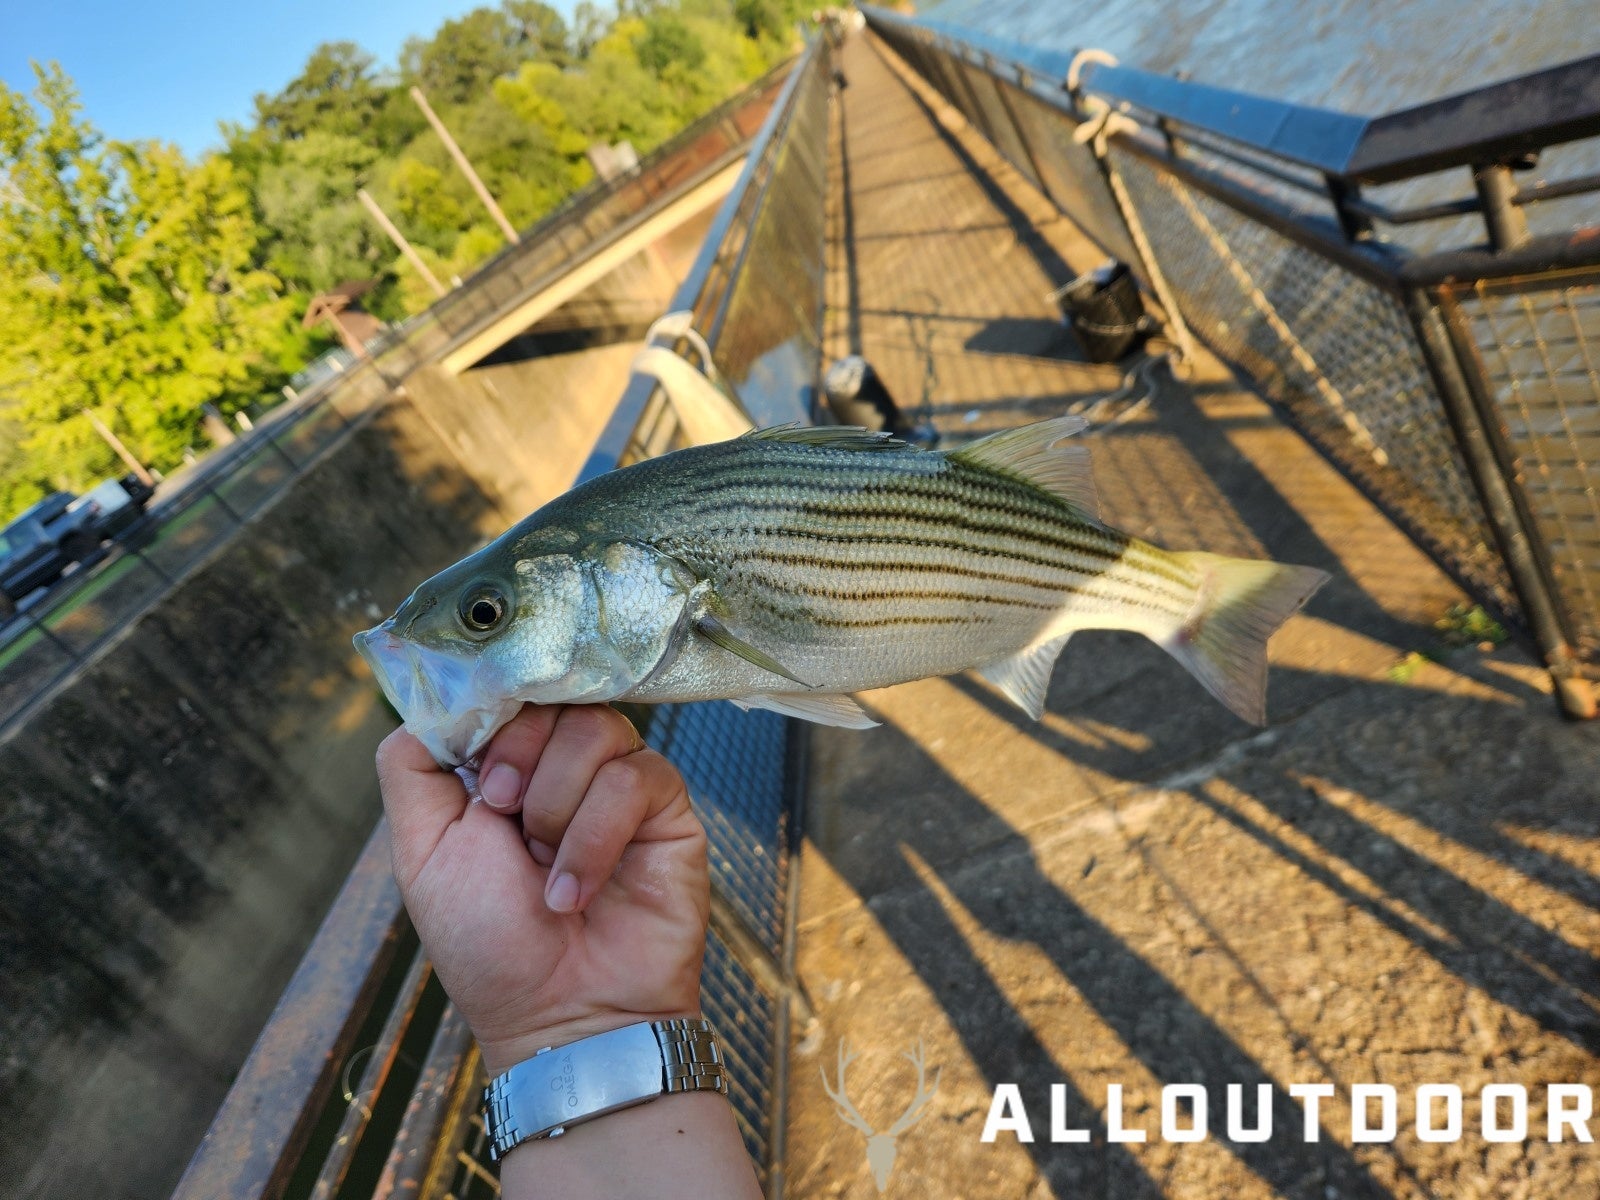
x=886 y=622
x=896 y=594
x=810 y=562
x=1038 y=516
x=938 y=486
x=881 y=496
x=1068 y=539
x=939 y=482
x=1155 y=583
x=1059 y=526
x=1091 y=587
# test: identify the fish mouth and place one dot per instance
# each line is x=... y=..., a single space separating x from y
x=437 y=694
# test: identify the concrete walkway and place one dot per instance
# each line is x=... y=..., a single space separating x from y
x=1396 y=883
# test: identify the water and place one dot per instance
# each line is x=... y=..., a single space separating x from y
x=1362 y=56
x=1366 y=57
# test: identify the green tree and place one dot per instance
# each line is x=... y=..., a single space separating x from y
x=128 y=287
x=317 y=234
x=467 y=54
x=336 y=92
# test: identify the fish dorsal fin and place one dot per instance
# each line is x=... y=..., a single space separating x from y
x=1025 y=677
x=833 y=437
x=1031 y=453
x=824 y=710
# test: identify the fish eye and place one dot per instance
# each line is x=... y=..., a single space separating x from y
x=482 y=608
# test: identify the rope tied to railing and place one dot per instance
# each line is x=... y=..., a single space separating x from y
x=1101 y=122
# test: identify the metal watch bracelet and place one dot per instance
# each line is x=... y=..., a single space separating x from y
x=563 y=1086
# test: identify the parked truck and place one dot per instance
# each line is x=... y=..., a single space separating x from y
x=38 y=546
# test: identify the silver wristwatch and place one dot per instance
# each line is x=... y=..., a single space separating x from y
x=559 y=1087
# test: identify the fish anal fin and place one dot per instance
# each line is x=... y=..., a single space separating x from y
x=715 y=632
x=1024 y=678
x=810 y=706
x=1031 y=453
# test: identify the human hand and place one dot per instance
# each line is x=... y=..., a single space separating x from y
x=573 y=900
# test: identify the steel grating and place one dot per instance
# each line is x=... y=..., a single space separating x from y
x=735 y=765
x=1537 y=345
x=1336 y=351
x=746 y=1019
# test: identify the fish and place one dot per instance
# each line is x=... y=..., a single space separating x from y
x=791 y=567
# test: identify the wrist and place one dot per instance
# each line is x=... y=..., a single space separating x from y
x=502 y=1053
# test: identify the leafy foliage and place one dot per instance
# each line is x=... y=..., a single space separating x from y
x=138 y=285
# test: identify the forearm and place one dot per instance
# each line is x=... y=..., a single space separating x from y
x=680 y=1147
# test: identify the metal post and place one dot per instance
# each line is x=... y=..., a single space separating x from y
x=1497 y=191
x=1487 y=463
x=466 y=167
x=1357 y=226
x=126 y=455
x=399 y=240
x=211 y=490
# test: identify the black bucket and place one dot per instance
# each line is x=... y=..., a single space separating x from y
x=1105 y=311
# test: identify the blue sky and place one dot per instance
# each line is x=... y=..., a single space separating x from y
x=171 y=69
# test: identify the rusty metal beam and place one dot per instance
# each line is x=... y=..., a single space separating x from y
x=259 y=1133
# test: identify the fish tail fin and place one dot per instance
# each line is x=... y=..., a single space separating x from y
x=1242 y=603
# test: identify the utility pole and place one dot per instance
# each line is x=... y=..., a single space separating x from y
x=398 y=239
x=123 y=452
x=466 y=167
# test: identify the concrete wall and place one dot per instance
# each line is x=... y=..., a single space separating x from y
x=174 y=822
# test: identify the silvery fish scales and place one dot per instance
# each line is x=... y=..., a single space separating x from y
x=788 y=568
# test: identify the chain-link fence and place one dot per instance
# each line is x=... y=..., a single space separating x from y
x=1458 y=388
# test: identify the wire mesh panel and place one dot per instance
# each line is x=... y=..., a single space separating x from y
x=1072 y=176
x=735 y=765
x=1535 y=343
x=767 y=331
x=997 y=117
x=747 y=1019
x=1335 y=350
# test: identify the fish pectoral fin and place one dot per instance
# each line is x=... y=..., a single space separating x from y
x=715 y=632
x=1025 y=677
x=824 y=710
x=1032 y=453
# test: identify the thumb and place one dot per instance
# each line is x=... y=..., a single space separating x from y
x=420 y=800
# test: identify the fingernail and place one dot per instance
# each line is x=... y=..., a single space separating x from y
x=501 y=787
x=562 y=894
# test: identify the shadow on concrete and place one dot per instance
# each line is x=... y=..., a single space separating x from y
x=1036 y=336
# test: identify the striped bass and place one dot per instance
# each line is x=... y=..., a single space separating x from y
x=790 y=567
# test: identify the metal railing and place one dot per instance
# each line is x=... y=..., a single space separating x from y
x=1455 y=379
x=57 y=632
x=364 y=1083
